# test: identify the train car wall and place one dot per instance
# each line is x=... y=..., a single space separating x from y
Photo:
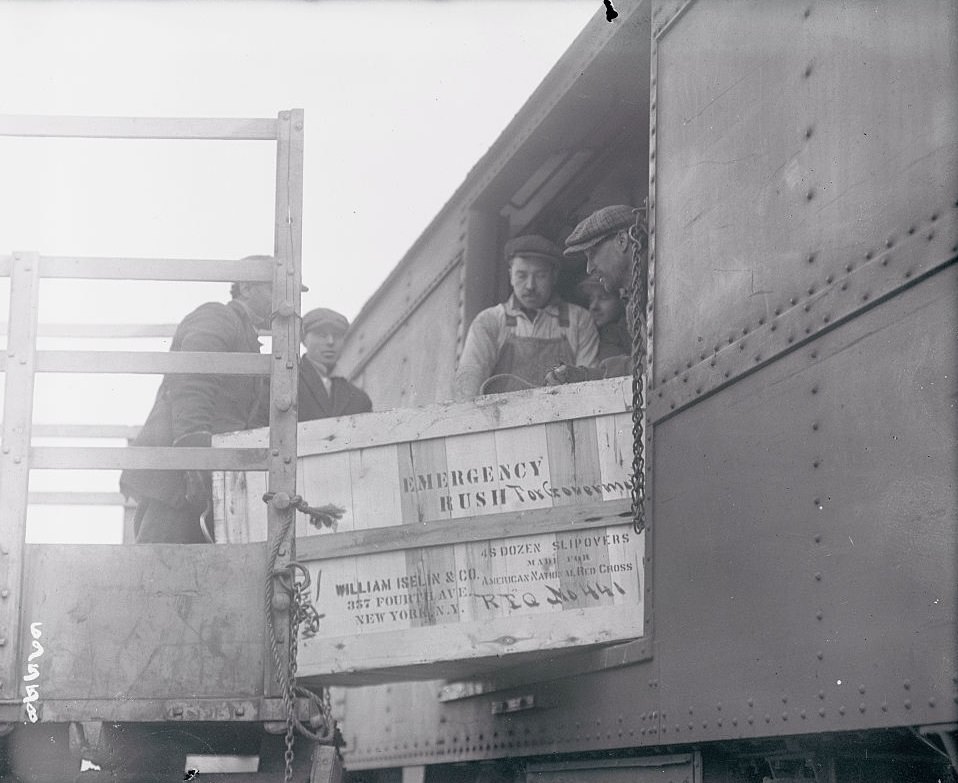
x=803 y=213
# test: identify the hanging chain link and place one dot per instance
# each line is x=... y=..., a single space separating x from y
x=638 y=234
x=295 y=580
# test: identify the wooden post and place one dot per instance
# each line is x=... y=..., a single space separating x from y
x=484 y=268
x=284 y=377
x=14 y=461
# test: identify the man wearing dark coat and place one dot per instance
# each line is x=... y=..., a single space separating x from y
x=190 y=409
x=323 y=395
x=605 y=239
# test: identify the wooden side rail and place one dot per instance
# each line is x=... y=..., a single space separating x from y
x=102 y=331
x=79 y=499
x=179 y=269
x=140 y=128
x=146 y=458
x=178 y=362
x=116 y=431
x=71 y=498
x=443 y=532
x=21 y=360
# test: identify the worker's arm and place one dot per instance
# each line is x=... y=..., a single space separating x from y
x=613 y=367
x=211 y=327
x=587 y=337
x=479 y=354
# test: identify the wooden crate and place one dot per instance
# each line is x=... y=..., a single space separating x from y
x=475 y=534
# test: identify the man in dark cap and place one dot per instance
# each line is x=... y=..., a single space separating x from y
x=515 y=344
x=605 y=240
x=321 y=394
x=190 y=409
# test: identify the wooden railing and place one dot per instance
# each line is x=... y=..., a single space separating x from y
x=21 y=360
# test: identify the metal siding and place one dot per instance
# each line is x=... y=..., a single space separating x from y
x=806 y=536
x=612 y=709
x=789 y=145
x=734 y=478
x=737 y=565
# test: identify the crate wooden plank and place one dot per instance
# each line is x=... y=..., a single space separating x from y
x=405 y=655
x=153 y=362
x=491 y=539
x=443 y=532
x=614 y=453
x=377 y=498
x=439 y=420
x=512 y=578
x=145 y=458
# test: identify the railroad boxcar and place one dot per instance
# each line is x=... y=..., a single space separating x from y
x=798 y=161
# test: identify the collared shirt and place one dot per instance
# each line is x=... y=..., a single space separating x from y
x=323 y=373
x=488 y=333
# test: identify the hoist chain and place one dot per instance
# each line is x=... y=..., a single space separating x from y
x=638 y=234
x=294 y=580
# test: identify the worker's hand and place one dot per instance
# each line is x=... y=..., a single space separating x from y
x=199 y=490
x=199 y=483
x=325 y=516
x=565 y=373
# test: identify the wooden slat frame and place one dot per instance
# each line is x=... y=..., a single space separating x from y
x=284 y=271
x=153 y=362
x=102 y=331
x=146 y=458
x=228 y=129
x=14 y=460
x=443 y=532
x=179 y=269
x=78 y=499
x=287 y=250
x=118 y=431
x=440 y=420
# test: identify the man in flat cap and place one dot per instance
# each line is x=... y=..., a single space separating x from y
x=190 y=409
x=321 y=394
x=515 y=344
x=604 y=238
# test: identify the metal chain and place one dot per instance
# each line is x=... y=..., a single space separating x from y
x=281 y=667
x=291 y=683
x=638 y=234
x=301 y=612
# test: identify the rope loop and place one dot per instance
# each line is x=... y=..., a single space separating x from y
x=319 y=516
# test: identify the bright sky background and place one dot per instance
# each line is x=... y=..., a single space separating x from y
x=401 y=99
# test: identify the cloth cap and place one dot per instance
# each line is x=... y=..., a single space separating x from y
x=598 y=226
x=323 y=316
x=533 y=246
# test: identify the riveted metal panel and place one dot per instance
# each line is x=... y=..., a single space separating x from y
x=676 y=768
x=796 y=140
x=611 y=709
x=840 y=295
x=806 y=535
